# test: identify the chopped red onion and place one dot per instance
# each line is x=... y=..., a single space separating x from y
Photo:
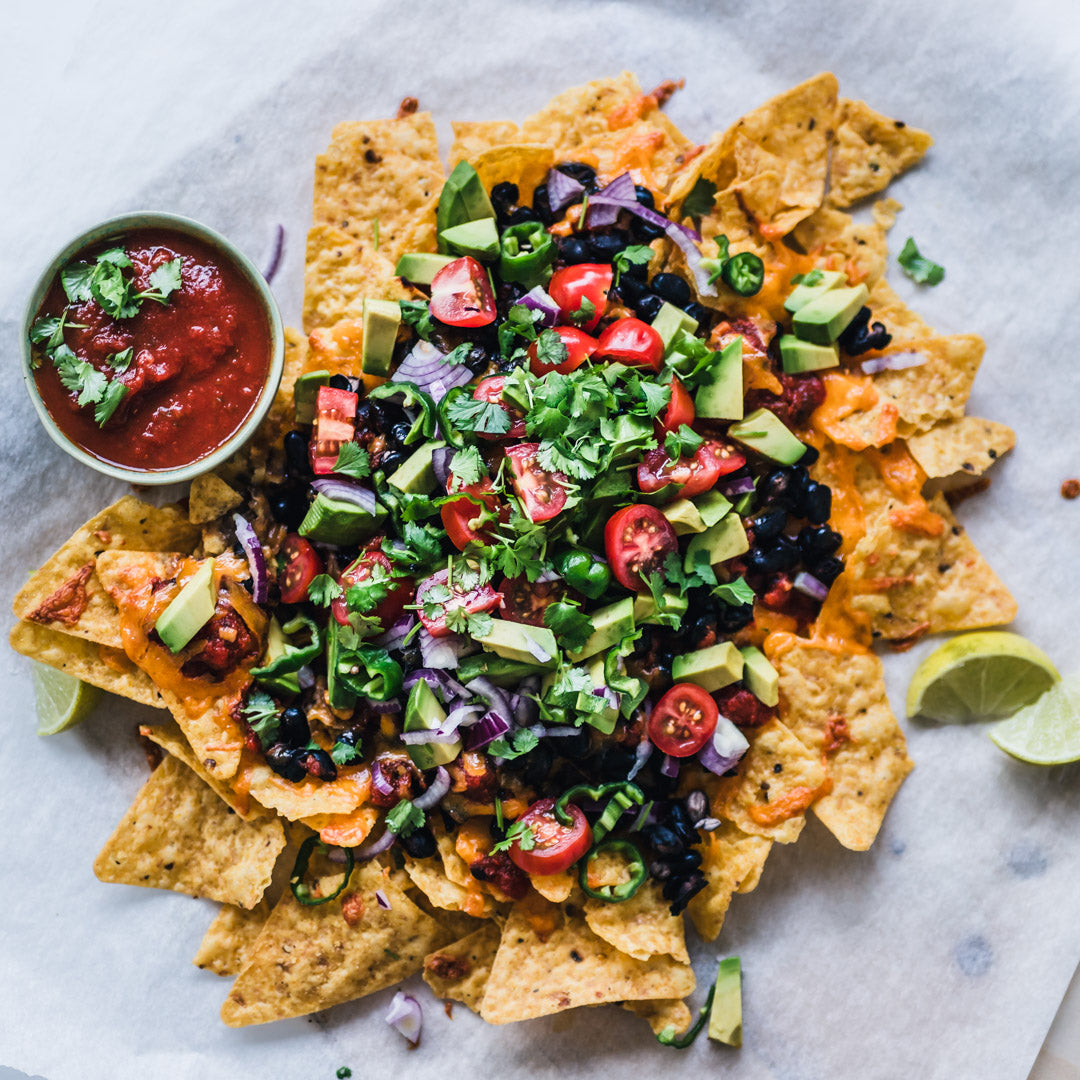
x=560 y=732
x=435 y=792
x=670 y=767
x=256 y=561
x=443 y=652
x=381 y=900
x=896 y=361
x=525 y=709
x=725 y=749
x=620 y=190
x=375 y=847
x=306 y=677
x=381 y=785
x=537 y=299
x=424 y=367
x=598 y=217
x=447 y=731
x=275 y=255
x=562 y=189
x=440 y=462
x=405 y=1016
x=641 y=755
x=334 y=487
x=742 y=486
x=810 y=586
x=496 y=697
x=397 y=633
x=490 y=727
x=436 y=678
x=538 y=650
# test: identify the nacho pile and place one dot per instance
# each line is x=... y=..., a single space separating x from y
x=339 y=871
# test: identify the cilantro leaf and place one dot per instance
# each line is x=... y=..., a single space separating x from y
x=812 y=278
x=634 y=255
x=466 y=466
x=550 y=349
x=343 y=753
x=700 y=199
x=367 y=594
x=682 y=443
x=655 y=396
x=513 y=744
x=75 y=279
x=736 y=593
x=468 y=414
x=519 y=831
x=416 y=314
x=323 y=590
x=917 y=267
x=116 y=256
x=405 y=818
x=568 y=623
x=458 y=355
x=584 y=313
x=115 y=392
x=520 y=322
x=421 y=545
x=121 y=361
x=263 y=716
x=164 y=281
x=353 y=460
x=46 y=328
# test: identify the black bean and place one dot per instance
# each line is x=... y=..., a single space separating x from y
x=574 y=250
x=296 y=454
x=294 y=730
x=319 y=764
x=686 y=890
x=614 y=762
x=285 y=761
x=774 y=555
x=542 y=205
x=828 y=570
x=420 y=843
x=535 y=765
x=644 y=232
x=340 y=382
x=576 y=746
x=816 y=503
x=672 y=288
x=665 y=840
x=289 y=506
x=398 y=434
x=817 y=543
x=769 y=524
x=810 y=455
x=659 y=870
x=504 y=197
x=631 y=289
x=390 y=460
x=678 y=819
x=701 y=313
x=644 y=196
x=605 y=246
x=584 y=174
x=785 y=485
x=733 y=617
x=682 y=862
x=648 y=307
x=521 y=215
x=860 y=337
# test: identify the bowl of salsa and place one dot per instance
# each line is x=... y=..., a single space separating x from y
x=152 y=348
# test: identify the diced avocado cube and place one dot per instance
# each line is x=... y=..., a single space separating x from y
x=684 y=517
x=463 y=198
x=521 y=642
x=424 y=713
x=760 y=676
x=420 y=267
x=711 y=507
x=338 y=694
x=189 y=610
x=381 y=321
x=725 y=1016
x=823 y=320
x=610 y=625
x=498 y=669
x=603 y=719
x=725 y=540
x=722 y=397
x=802 y=295
x=416 y=474
x=711 y=669
x=670 y=320
x=334 y=521
x=477 y=238
x=645 y=607
x=305 y=391
x=765 y=433
x=797 y=355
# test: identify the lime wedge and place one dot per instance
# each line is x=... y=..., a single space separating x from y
x=62 y=700
x=981 y=676
x=1047 y=732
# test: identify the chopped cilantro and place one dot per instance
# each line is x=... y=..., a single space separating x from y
x=519 y=831
x=583 y=314
x=568 y=623
x=353 y=460
x=700 y=199
x=323 y=590
x=405 y=818
x=634 y=255
x=421 y=545
x=682 y=443
x=514 y=744
x=812 y=278
x=466 y=466
x=458 y=355
x=416 y=314
x=262 y=715
x=550 y=349
x=468 y=414
x=917 y=267
x=121 y=361
x=344 y=753
x=737 y=592
x=110 y=400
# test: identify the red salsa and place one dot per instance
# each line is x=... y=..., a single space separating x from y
x=198 y=362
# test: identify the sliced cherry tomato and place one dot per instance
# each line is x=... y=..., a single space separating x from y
x=525 y=601
x=680 y=409
x=631 y=341
x=461 y=294
x=638 y=539
x=556 y=847
x=491 y=390
x=482 y=598
x=579 y=347
x=335 y=424
x=696 y=474
x=302 y=564
x=683 y=720
x=542 y=492
x=584 y=281
x=399 y=592
x=461 y=518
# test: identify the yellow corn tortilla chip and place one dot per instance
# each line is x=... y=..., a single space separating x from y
x=835 y=702
x=384 y=171
x=98 y=665
x=461 y=969
x=525 y=165
x=128 y=524
x=455 y=867
x=536 y=974
x=869 y=151
x=308 y=958
x=641 y=927
x=859 y=249
x=473 y=137
x=579 y=115
x=731 y=861
x=309 y=800
x=963 y=449
x=554 y=887
x=227 y=945
x=899 y=319
x=179 y=835
x=429 y=878
x=661 y=1014
x=209 y=498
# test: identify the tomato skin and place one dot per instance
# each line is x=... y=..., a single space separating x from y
x=335 y=424
x=578 y=344
x=461 y=294
x=680 y=409
x=631 y=341
x=389 y=609
x=696 y=474
x=457 y=514
x=302 y=564
x=557 y=846
x=542 y=493
x=637 y=540
x=525 y=601
x=570 y=284
x=490 y=390
x=483 y=598
x=683 y=720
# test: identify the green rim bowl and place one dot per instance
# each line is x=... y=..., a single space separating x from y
x=228 y=252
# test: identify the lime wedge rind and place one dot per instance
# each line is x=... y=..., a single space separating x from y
x=62 y=701
x=1046 y=732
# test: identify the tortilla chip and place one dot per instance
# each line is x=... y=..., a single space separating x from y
x=384 y=171
x=836 y=704
x=536 y=974
x=962 y=449
x=859 y=249
x=461 y=969
x=178 y=835
x=429 y=878
x=869 y=151
x=98 y=665
x=661 y=1014
x=473 y=137
x=731 y=861
x=579 y=115
x=554 y=887
x=764 y=800
x=227 y=946
x=311 y=799
x=209 y=498
x=128 y=524
x=886 y=307
x=455 y=867
x=641 y=927
x=308 y=958
x=521 y=164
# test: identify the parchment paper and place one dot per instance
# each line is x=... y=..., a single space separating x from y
x=944 y=951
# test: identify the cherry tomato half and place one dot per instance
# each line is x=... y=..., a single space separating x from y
x=696 y=474
x=491 y=390
x=461 y=294
x=631 y=341
x=399 y=591
x=588 y=281
x=302 y=564
x=556 y=847
x=466 y=519
x=638 y=539
x=680 y=409
x=525 y=601
x=482 y=598
x=335 y=424
x=543 y=493
x=579 y=347
x=683 y=720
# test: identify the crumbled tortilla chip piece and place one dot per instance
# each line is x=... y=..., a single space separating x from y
x=128 y=524
x=179 y=835
x=661 y=1013
x=98 y=665
x=429 y=878
x=461 y=969
x=835 y=702
x=963 y=448
x=227 y=945
x=308 y=958
x=455 y=867
x=473 y=137
x=731 y=861
x=564 y=965
x=525 y=165
x=554 y=887
x=641 y=927
x=858 y=248
x=209 y=498
x=869 y=151
x=579 y=115
x=901 y=322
